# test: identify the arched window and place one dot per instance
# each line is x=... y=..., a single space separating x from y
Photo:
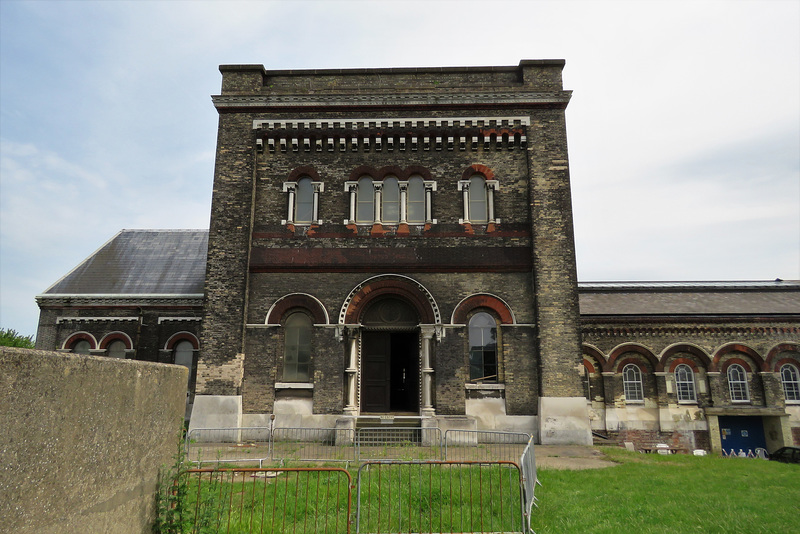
x=365 y=200
x=791 y=382
x=81 y=347
x=587 y=383
x=416 y=200
x=482 y=347
x=737 y=383
x=116 y=349
x=684 y=383
x=297 y=348
x=304 y=200
x=632 y=383
x=390 y=200
x=478 y=206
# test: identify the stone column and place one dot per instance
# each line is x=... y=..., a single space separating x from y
x=351 y=408
x=427 y=333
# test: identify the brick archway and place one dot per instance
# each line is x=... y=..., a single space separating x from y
x=403 y=287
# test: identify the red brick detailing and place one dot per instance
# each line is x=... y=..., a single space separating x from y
x=477 y=168
x=482 y=301
x=182 y=336
x=784 y=361
x=403 y=230
x=740 y=361
x=286 y=303
x=783 y=347
x=629 y=347
x=305 y=170
x=74 y=338
x=596 y=354
x=691 y=349
x=377 y=230
x=677 y=361
x=588 y=365
x=116 y=336
x=737 y=347
x=362 y=170
x=395 y=288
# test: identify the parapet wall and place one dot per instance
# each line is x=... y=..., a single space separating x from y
x=83 y=439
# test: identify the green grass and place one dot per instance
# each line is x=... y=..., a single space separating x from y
x=679 y=493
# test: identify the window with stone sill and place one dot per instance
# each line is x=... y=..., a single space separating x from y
x=478 y=197
x=737 y=383
x=684 y=384
x=303 y=201
x=390 y=201
x=632 y=383
x=790 y=378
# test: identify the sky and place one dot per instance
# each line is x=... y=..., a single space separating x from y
x=683 y=129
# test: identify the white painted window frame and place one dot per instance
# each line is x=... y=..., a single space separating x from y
x=491 y=187
x=351 y=187
x=291 y=189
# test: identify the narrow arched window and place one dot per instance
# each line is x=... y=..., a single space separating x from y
x=183 y=353
x=791 y=382
x=737 y=383
x=297 y=348
x=587 y=383
x=632 y=383
x=116 y=349
x=684 y=383
x=304 y=201
x=365 y=200
x=416 y=200
x=81 y=347
x=482 y=347
x=478 y=205
x=390 y=200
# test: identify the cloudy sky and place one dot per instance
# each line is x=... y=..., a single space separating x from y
x=684 y=127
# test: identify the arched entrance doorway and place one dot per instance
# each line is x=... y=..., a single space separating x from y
x=390 y=364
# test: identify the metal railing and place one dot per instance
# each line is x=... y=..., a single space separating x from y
x=438 y=496
x=228 y=445
x=527 y=463
x=398 y=443
x=256 y=500
x=312 y=444
x=484 y=445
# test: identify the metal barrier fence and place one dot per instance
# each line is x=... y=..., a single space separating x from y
x=275 y=500
x=484 y=445
x=398 y=443
x=228 y=445
x=410 y=497
x=527 y=463
x=312 y=444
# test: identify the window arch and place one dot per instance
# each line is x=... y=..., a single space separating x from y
x=483 y=347
x=790 y=379
x=737 y=383
x=632 y=383
x=684 y=383
x=478 y=193
x=365 y=200
x=297 y=348
x=303 y=201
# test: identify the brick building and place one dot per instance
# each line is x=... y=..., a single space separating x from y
x=399 y=241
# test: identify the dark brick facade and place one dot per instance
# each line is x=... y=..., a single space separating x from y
x=444 y=125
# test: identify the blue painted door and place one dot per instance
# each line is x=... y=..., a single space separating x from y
x=741 y=432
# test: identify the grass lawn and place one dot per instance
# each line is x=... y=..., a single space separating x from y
x=678 y=493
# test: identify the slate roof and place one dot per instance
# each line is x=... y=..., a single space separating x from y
x=781 y=297
x=141 y=262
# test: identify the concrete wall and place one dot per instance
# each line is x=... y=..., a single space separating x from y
x=83 y=439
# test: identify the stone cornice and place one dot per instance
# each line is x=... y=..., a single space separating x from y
x=644 y=331
x=494 y=99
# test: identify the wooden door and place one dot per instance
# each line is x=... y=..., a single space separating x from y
x=375 y=372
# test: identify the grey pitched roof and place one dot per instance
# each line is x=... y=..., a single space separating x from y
x=141 y=262
x=780 y=297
